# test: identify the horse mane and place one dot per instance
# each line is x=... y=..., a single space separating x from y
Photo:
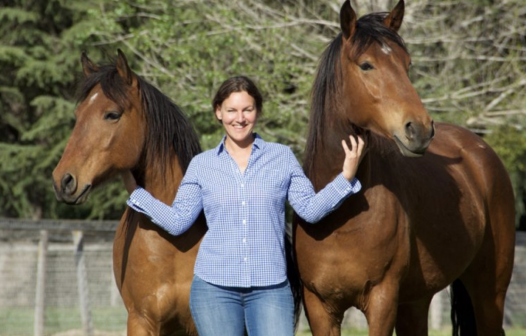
x=327 y=84
x=169 y=132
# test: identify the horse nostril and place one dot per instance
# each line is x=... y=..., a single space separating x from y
x=409 y=131
x=68 y=184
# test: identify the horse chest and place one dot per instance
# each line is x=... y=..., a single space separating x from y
x=353 y=247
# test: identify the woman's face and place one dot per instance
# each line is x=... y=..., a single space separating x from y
x=238 y=114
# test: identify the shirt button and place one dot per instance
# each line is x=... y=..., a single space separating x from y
x=243 y=203
x=244 y=240
x=242 y=185
x=244 y=221
x=245 y=259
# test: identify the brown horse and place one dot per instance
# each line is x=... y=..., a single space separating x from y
x=419 y=223
x=124 y=123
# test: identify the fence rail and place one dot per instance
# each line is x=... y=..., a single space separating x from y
x=58 y=275
x=58 y=225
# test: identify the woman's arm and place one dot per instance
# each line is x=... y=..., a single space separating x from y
x=312 y=206
x=178 y=217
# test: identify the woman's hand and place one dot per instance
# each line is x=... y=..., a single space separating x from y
x=129 y=181
x=352 y=157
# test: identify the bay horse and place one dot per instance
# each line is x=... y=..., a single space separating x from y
x=124 y=123
x=436 y=206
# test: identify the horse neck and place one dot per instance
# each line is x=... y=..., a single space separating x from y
x=163 y=186
x=329 y=155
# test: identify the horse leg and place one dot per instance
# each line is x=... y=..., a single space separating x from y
x=487 y=278
x=321 y=321
x=412 y=317
x=487 y=303
x=139 y=326
x=381 y=309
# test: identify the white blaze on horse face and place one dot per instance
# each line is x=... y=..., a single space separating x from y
x=92 y=99
x=386 y=49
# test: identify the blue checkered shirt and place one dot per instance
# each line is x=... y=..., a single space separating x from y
x=244 y=245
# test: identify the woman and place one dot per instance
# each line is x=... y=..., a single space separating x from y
x=242 y=184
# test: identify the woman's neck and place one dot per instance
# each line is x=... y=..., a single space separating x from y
x=239 y=147
x=239 y=152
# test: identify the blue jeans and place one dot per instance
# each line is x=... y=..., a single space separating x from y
x=221 y=311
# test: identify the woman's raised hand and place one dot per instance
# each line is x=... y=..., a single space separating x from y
x=352 y=156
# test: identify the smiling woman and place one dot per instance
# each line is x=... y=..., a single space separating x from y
x=240 y=277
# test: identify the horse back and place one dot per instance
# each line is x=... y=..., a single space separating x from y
x=417 y=221
x=460 y=213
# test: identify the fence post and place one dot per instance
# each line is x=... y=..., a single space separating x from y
x=41 y=284
x=82 y=283
x=435 y=311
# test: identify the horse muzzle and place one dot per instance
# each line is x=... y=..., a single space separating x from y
x=415 y=139
x=69 y=192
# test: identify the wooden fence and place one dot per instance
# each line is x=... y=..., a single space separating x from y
x=77 y=229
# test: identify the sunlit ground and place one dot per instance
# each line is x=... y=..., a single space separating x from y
x=445 y=332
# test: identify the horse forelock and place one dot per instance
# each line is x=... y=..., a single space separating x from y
x=169 y=132
x=371 y=29
x=326 y=91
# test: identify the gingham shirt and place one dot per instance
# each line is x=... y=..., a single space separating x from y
x=244 y=245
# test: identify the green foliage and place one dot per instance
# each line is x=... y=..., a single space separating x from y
x=510 y=143
x=36 y=94
x=468 y=66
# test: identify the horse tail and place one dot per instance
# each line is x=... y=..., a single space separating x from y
x=462 y=313
x=294 y=278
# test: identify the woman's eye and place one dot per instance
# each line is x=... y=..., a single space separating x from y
x=366 y=66
x=112 y=116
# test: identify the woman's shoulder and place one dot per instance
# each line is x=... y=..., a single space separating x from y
x=277 y=147
x=206 y=155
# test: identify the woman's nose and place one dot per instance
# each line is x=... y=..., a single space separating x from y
x=240 y=117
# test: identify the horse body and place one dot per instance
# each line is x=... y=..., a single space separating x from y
x=124 y=123
x=421 y=222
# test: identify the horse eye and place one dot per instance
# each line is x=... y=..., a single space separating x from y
x=366 y=66
x=112 y=116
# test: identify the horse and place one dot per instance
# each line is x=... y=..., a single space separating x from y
x=436 y=206
x=125 y=123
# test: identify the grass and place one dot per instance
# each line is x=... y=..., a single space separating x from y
x=445 y=332
x=20 y=321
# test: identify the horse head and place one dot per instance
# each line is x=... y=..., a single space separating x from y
x=109 y=131
x=377 y=94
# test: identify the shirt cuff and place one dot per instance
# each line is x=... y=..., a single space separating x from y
x=138 y=198
x=346 y=188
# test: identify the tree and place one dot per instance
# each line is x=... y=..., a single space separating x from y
x=468 y=66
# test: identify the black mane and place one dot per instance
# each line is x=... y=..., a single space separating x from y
x=169 y=132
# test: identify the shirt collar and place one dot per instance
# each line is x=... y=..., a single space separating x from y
x=259 y=143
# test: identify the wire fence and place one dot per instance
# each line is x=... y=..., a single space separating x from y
x=57 y=279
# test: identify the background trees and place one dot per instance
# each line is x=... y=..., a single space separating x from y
x=468 y=66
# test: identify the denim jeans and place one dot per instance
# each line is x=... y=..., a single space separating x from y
x=226 y=311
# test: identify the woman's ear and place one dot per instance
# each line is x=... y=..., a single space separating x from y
x=218 y=113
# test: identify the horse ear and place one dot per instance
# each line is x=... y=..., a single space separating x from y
x=394 y=19
x=347 y=20
x=124 y=70
x=87 y=65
